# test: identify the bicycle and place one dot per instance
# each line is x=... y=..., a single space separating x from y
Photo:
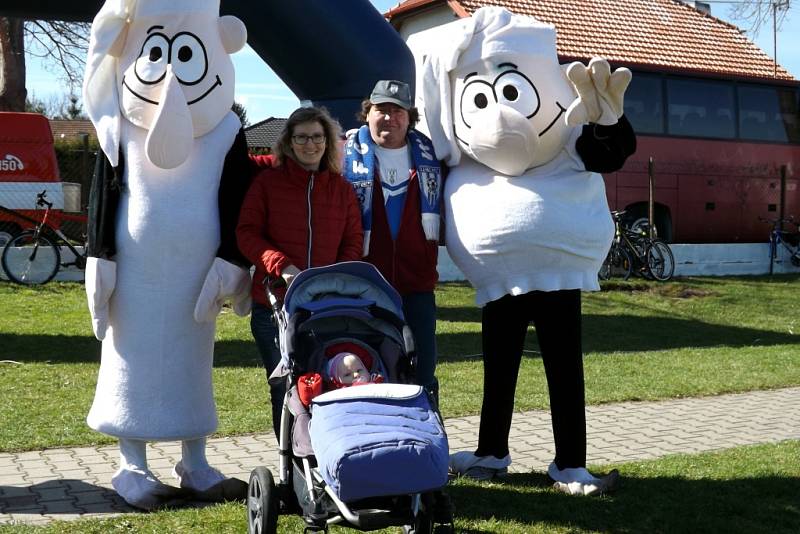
x=789 y=240
x=34 y=256
x=633 y=250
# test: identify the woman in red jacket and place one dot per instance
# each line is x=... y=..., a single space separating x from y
x=300 y=213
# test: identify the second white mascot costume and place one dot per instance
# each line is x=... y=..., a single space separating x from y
x=527 y=218
x=159 y=88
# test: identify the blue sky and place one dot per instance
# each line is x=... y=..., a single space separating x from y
x=264 y=95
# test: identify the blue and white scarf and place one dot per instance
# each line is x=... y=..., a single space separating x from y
x=360 y=170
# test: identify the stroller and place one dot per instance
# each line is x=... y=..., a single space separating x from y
x=368 y=456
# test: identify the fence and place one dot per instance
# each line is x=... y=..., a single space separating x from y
x=76 y=166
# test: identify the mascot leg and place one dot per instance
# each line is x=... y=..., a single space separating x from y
x=504 y=323
x=135 y=482
x=558 y=327
x=194 y=473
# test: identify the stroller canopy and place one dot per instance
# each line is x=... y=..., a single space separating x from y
x=347 y=280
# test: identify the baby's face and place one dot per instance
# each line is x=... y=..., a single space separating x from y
x=351 y=370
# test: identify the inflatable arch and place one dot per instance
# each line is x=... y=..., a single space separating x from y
x=327 y=52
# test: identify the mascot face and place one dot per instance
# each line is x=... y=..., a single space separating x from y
x=176 y=79
x=181 y=55
x=493 y=89
x=509 y=111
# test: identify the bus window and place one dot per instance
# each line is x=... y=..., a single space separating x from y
x=699 y=108
x=643 y=104
x=768 y=114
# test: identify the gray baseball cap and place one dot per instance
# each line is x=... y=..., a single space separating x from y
x=392 y=91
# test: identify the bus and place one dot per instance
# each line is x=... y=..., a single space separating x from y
x=725 y=152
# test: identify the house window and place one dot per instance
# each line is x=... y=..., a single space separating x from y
x=700 y=108
x=769 y=114
x=644 y=104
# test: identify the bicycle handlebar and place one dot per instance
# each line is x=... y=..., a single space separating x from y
x=41 y=200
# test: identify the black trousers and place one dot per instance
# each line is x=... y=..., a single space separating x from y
x=557 y=318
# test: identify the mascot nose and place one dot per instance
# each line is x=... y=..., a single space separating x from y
x=504 y=140
x=170 y=138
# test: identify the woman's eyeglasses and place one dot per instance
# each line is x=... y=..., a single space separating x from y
x=301 y=139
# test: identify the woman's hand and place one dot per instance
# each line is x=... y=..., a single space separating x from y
x=288 y=274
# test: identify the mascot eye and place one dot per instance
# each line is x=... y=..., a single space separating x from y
x=189 y=60
x=517 y=91
x=151 y=65
x=510 y=93
x=476 y=96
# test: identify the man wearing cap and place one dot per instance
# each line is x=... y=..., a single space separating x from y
x=398 y=182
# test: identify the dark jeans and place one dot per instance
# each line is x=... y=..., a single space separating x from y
x=420 y=312
x=557 y=318
x=265 y=333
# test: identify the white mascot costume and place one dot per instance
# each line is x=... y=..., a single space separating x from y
x=159 y=87
x=527 y=220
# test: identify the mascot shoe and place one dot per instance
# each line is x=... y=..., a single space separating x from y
x=141 y=489
x=466 y=464
x=210 y=485
x=579 y=481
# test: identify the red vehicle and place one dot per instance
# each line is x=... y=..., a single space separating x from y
x=718 y=147
x=28 y=166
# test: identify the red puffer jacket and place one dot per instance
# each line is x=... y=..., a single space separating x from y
x=290 y=215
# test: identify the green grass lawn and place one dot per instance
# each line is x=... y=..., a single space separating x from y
x=688 y=337
x=741 y=490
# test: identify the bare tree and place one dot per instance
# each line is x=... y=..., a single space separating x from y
x=759 y=13
x=61 y=45
x=12 y=65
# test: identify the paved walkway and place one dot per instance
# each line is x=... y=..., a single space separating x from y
x=39 y=486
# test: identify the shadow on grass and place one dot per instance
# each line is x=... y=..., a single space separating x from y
x=660 y=504
x=629 y=333
x=83 y=349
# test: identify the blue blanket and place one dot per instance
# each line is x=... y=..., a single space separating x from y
x=384 y=440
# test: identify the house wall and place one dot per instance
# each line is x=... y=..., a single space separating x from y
x=435 y=16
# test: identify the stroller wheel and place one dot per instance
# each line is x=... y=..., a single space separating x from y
x=262 y=503
x=423 y=522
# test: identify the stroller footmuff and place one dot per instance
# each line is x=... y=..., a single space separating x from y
x=367 y=452
x=378 y=439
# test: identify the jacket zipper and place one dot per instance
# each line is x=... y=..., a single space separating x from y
x=310 y=229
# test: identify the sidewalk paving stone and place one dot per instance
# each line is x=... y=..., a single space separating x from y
x=37 y=487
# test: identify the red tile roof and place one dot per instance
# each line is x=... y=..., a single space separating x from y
x=662 y=34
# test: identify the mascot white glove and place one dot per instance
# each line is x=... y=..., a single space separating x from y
x=224 y=280
x=101 y=278
x=600 y=92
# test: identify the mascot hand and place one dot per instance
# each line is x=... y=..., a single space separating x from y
x=600 y=92
x=101 y=278
x=223 y=281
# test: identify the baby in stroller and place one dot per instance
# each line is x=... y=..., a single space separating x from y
x=370 y=456
x=351 y=367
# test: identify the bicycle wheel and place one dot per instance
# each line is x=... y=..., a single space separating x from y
x=660 y=261
x=623 y=262
x=30 y=260
x=605 y=269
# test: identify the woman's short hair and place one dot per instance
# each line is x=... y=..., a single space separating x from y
x=331 y=159
x=413 y=113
